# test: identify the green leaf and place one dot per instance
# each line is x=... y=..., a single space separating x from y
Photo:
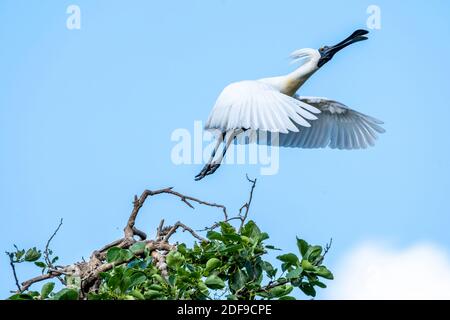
x=306 y=265
x=263 y=236
x=46 y=289
x=160 y=279
x=254 y=270
x=156 y=287
x=232 y=237
x=137 y=295
x=294 y=273
x=113 y=254
x=324 y=273
x=287 y=298
x=126 y=254
x=214 y=282
x=308 y=289
x=268 y=268
x=34 y=294
x=238 y=280
x=40 y=264
x=136 y=279
x=152 y=294
x=227 y=228
x=212 y=264
x=32 y=255
x=137 y=247
x=302 y=246
x=214 y=235
x=313 y=252
x=174 y=259
x=124 y=284
x=172 y=279
x=66 y=294
x=319 y=284
x=231 y=248
x=202 y=288
x=114 y=281
x=20 y=296
x=289 y=258
x=182 y=248
x=116 y=254
x=251 y=230
x=272 y=247
x=19 y=254
x=104 y=275
x=281 y=290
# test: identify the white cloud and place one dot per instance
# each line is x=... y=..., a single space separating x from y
x=374 y=271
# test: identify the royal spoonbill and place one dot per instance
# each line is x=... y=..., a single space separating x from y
x=271 y=106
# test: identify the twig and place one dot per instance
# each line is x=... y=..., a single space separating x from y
x=272 y=285
x=46 y=251
x=13 y=267
x=185 y=228
x=159 y=230
x=247 y=204
x=139 y=202
x=327 y=248
x=141 y=234
x=240 y=216
x=110 y=245
x=58 y=271
x=217 y=224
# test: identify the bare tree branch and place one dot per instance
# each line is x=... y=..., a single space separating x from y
x=327 y=247
x=47 y=253
x=159 y=230
x=139 y=202
x=45 y=276
x=13 y=267
x=240 y=216
x=217 y=224
x=247 y=204
x=141 y=234
x=89 y=271
x=185 y=228
x=110 y=245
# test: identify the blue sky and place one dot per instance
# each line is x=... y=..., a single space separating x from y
x=86 y=117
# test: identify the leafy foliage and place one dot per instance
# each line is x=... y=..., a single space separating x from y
x=228 y=265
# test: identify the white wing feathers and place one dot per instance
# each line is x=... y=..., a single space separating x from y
x=259 y=106
x=337 y=127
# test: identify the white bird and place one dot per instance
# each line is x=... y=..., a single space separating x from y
x=271 y=106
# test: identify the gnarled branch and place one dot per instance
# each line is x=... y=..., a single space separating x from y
x=89 y=271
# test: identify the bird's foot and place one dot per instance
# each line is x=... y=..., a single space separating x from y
x=202 y=173
x=207 y=170
x=213 y=168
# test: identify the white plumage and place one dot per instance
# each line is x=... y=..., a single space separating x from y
x=271 y=105
x=259 y=106
x=337 y=127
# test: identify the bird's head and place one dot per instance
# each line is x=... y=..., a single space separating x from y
x=327 y=53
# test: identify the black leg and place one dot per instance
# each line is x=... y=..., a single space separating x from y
x=204 y=172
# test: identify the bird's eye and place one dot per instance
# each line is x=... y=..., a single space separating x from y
x=321 y=49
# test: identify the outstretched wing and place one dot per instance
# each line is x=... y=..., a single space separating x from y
x=337 y=127
x=258 y=106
